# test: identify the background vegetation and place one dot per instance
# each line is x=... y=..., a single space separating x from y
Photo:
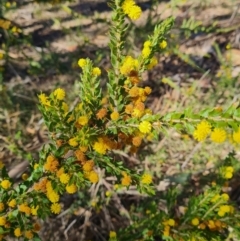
x=41 y=44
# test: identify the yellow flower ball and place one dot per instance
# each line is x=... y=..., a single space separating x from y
x=153 y=63
x=53 y=196
x=59 y=94
x=6 y=184
x=73 y=142
x=236 y=136
x=96 y=71
x=24 y=208
x=71 y=188
x=225 y=196
x=218 y=135
x=88 y=166
x=202 y=226
x=221 y=213
x=126 y=180
x=112 y=235
x=195 y=221
x=64 y=178
x=65 y=107
x=202 y=131
x=56 y=208
x=114 y=116
x=82 y=120
x=229 y=169
x=17 y=232
x=215 y=198
x=28 y=234
x=108 y=193
x=147 y=44
x=171 y=222
x=93 y=177
x=82 y=62
x=126 y=5
x=43 y=99
x=225 y=208
x=146 y=52
x=146 y=179
x=34 y=210
x=134 y=12
x=2 y=221
x=163 y=44
x=100 y=147
x=228 y=175
x=145 y=127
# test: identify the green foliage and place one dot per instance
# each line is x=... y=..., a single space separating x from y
x=87 y=138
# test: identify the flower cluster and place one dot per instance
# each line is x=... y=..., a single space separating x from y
x=227 y=172
x=12 y=208
x=131 y=9
x=217 y=134
x=203 y=129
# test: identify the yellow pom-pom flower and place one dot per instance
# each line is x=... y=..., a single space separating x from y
x=12 y=203
x=28 y=234
x=128 y=65
x=195 y=221
x=135 y=12
x=34 y=210
x=153 y=63
x=112 y=235
x=65 y=107
x=146 y=52
x=93 y=177
x=146 y=179
x=228 y=175
x=218 y=135
x=100 y=147
x=202 y=131
x=88 y=166
x=225 y=208
x=236 y=136
x=82 y=120
x=163 y=44
x=127 y=5
x=114 y=116
x=17 y=232
x=53 y=196
x=82 y=62
x=24 y=208
x=126 y=180
x=56 y=208
x=96 y=71
x=225 y=196
x=145 y=127
x=73 y=142
x=59 y=94
x=64 y=178
x=71 y=188
x=43 y=99
x=171 y=222
x=3 y=220
x=147 y=44
x=229 y=169
x=6 y=184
